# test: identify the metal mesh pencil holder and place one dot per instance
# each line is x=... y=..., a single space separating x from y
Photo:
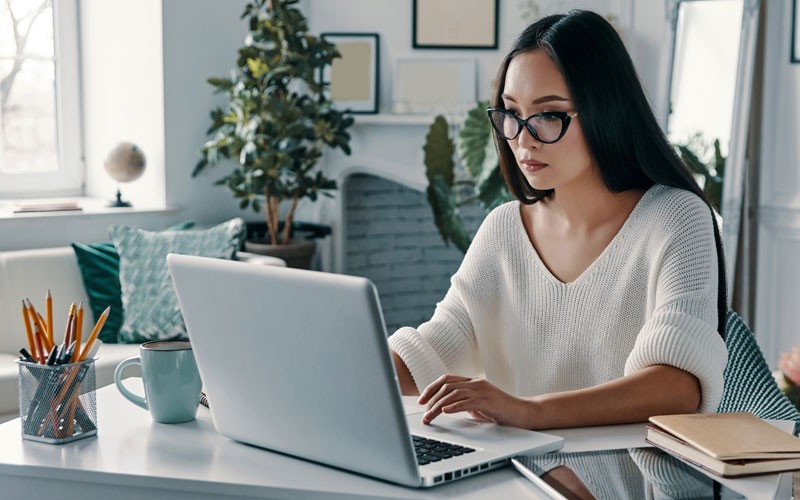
x=57 y=403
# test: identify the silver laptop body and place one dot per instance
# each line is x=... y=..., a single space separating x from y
x=298 y=362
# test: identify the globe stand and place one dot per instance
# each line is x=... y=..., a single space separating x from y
x=118 y=202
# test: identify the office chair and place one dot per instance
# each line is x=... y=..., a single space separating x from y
x=749 y=384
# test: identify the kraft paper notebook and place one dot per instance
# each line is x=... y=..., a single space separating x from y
x=727 y=444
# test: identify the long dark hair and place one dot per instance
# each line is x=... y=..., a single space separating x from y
x=621 y=131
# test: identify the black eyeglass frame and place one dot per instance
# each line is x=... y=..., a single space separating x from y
x=565 y=118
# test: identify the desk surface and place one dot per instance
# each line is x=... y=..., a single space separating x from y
x=134 y=457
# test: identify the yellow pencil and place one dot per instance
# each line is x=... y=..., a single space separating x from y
x=70 y=319
x=29 y=331
x=95 y=331
x=38 y=320
x=78 y=333
x=49 y=306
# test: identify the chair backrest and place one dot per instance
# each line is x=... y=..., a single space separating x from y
x=749 y=384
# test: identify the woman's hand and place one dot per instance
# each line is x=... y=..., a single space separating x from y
x=483 y=401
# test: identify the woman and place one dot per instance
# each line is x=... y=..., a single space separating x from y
x=598 y=297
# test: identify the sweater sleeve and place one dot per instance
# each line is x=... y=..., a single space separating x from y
x=446 y=344
x=682 y=329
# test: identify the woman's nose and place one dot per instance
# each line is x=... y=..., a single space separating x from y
x=527 y=140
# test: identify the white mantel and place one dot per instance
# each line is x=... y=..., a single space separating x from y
x=384 y=145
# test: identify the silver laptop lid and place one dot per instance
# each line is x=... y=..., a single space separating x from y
x=297 y=362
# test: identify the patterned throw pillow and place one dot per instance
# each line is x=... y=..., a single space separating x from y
x=99 y=266
x=148 y=299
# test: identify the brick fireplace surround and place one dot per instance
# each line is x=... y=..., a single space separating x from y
x=382 y=224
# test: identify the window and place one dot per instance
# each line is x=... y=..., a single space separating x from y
x=40 y=128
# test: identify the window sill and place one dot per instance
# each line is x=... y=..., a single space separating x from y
x=72 y=207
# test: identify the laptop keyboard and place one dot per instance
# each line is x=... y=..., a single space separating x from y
x=431 y=450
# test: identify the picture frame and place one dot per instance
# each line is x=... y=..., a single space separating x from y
x=794 y=51
x=440 y=86
x=354 y=78
x=455 y=24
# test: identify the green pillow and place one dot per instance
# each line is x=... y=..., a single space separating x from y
x=99 y=266
x=148 y=299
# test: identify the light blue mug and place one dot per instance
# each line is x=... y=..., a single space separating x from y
x=171 y=381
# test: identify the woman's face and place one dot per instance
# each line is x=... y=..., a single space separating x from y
x=534 y=84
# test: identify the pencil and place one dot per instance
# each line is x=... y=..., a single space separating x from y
x=39 y=321
x=70 y=324
x=78 y=333
x=95 y=331
x=39 y=348
x=28 y=330
x=49 y=306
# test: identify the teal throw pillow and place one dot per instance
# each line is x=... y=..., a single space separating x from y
x=150 y=306
x=99 y=266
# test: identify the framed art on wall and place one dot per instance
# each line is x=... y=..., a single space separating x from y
x=354 y=77
x=455 y=24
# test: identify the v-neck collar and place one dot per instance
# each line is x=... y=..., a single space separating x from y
x=604 y=255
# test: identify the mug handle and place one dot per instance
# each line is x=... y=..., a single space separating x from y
x=133 y=398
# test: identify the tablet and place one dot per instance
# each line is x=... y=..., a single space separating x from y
x=634 y=473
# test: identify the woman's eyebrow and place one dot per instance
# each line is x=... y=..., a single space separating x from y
x=549 y=98
x=539 y=100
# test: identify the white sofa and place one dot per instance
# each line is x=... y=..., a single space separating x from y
x=29 y=274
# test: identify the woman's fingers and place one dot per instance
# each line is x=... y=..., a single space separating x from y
x=436 y=386
x=449 y=400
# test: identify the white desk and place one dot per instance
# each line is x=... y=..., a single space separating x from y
x=134 y=458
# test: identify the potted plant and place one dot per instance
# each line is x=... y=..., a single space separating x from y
x=277 y=120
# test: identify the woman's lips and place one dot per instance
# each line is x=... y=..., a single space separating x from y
x=532 y=166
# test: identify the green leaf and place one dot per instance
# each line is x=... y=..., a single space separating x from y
x=439 y=152
x=446 y=215
x=475 y=134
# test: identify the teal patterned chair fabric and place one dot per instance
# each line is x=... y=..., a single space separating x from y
x=749 y=385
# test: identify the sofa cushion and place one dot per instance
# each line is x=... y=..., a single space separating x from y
x=149 y=302
x=99 y=265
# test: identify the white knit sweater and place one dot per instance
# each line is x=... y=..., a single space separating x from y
x=650 y=298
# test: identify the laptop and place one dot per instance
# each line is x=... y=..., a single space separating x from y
x=298 y=362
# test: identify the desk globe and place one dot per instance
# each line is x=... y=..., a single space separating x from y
x=124 y=163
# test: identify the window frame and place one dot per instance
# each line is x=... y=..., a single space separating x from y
x=69 y=178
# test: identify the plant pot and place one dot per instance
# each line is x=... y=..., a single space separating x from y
x=296 y=253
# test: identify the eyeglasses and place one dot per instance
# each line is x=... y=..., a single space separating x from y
x=547 y=127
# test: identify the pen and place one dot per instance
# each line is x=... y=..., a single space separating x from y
x=51 y=357
x=539 y=482
x=26 y=355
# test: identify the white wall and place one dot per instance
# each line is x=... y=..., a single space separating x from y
x=778 y=283
x=392 y=20
x=145 y=65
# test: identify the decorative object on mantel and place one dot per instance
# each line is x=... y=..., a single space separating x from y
x=477 y=180
x=354 y=77
x=455 y=24
x=437 y=86
x=277 y=120
x=124 y=163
